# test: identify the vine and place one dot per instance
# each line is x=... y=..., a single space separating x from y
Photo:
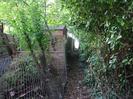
x=105 y=33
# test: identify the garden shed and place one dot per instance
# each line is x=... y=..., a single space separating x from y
x=58 y=58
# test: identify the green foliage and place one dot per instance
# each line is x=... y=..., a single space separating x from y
x=104 y=29
x=56 y=14
x=105 y=33
x=27 y=17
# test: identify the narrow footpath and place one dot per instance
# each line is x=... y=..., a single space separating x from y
x=74 y=88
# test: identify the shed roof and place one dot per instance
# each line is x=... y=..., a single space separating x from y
x=57 y=27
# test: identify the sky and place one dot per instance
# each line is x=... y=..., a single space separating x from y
x=50 y=1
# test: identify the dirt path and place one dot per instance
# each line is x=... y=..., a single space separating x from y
x=75 y=89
